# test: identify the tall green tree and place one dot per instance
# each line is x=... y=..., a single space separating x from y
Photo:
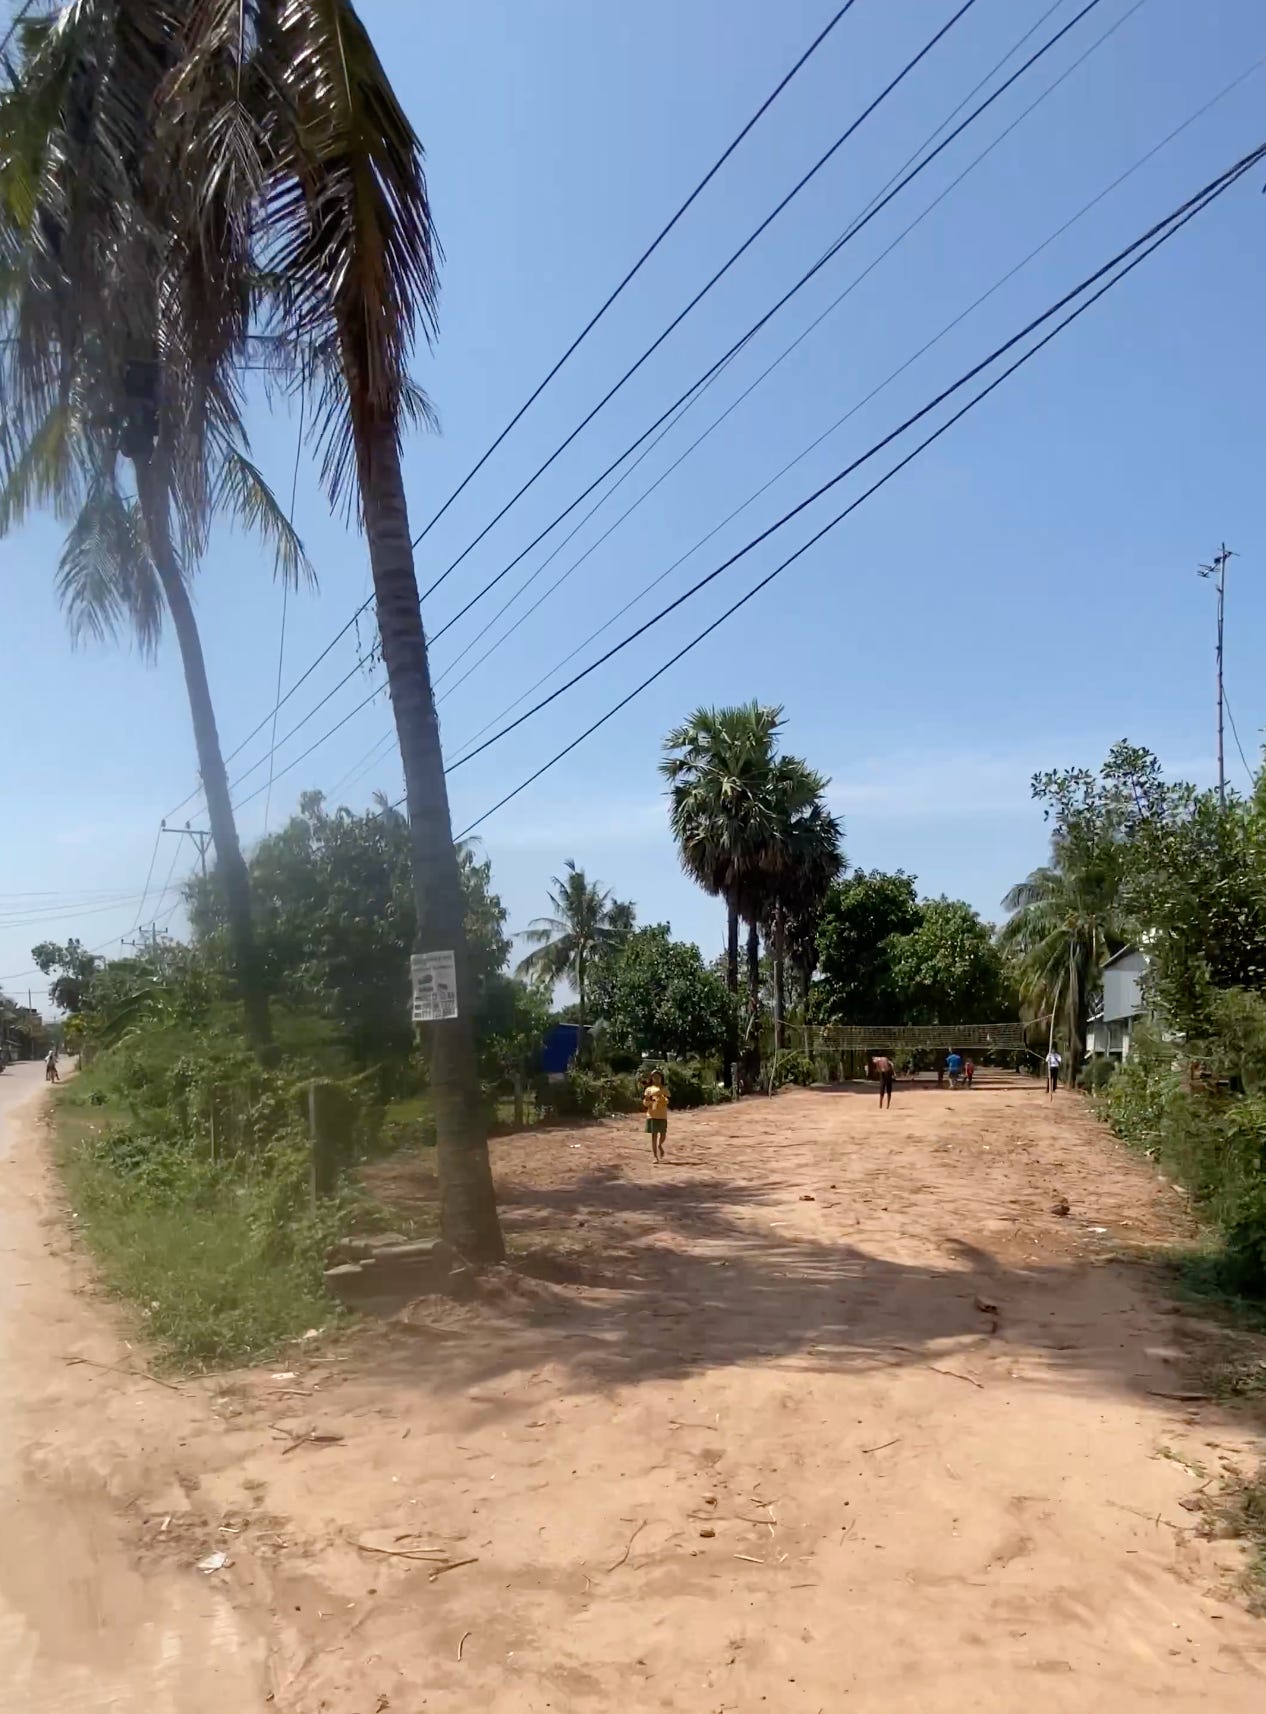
x=658 y=996
x=802 y=862
x=860 y=920
x=586 y=925
x=949 y=968
x=334 y=900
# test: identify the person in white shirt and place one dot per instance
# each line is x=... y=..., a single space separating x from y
x=1053 y=1063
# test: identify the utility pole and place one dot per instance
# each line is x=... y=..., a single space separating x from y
x=201 y=837
x=1217 y=569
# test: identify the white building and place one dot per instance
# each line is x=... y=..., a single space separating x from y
x=1111 y=1029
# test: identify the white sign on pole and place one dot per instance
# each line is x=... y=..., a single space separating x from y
x=434 y=986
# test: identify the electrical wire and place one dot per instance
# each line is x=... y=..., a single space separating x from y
x=801 y=184
x=149 y=876
x=809 y=274
x=1165 y=228
x=1252 y=777
x=701 y=381
x=764 y=374
x=893 y=375
x=645 y=257
x=1196 y=206
x=571 y=349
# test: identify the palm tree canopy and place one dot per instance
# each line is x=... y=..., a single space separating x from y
x=1065 y=922
x=586 y=923
x=720 y=767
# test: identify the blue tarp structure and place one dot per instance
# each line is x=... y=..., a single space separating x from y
x=560 y=1047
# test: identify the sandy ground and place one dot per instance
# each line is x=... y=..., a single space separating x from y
x=81 y=1627
x=832 y=1410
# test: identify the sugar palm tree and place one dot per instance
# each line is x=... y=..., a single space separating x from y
x=805 y=858
x=587 y=923
x=719 y=765
x=120 y=341
x=1065 y=922
x=730 y=796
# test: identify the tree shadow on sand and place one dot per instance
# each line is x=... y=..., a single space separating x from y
x=615 y=1280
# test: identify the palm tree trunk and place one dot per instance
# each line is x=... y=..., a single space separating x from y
x=753 y=999
x=780 y=979
x=731 y=982
x=468 y=1205
x=151 y=492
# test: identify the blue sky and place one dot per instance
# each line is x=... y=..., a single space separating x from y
x=1020 y=597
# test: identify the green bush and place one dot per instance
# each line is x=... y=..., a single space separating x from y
x=1097 y=1074
x=796 y=1067
x=584 y=1094
x=691 y=1083
x=1209 y=1140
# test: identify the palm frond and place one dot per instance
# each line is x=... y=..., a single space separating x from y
x=105 y=578
x=349 y=222
x=242 y=493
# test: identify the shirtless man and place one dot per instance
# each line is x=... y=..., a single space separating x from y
x=886 y=1072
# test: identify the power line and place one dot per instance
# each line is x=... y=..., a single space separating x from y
x=571 y=349
x=702 y=380
x=1200 y=203
x=149 y=876
x=1235 y=734
x=766 y=372
x=645 y=257
x=1144 y=245
x=14 y=24
x=893 y=375
x=833 y=250
x=724 y=269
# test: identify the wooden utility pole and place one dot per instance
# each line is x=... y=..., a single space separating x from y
x=1217 y=569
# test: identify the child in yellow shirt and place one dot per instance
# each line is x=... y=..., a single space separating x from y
x=655 y=1101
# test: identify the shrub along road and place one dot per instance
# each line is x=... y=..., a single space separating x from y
x=835 y=1409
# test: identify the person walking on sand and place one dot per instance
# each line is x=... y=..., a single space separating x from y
x=51 y=1073
x=886 y=1073
x=1053 y=1063
x=954 y=1066
x=969 y=1071
x=655 y=1101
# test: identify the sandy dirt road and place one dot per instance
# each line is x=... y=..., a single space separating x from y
x=831 y=1411
x=81 y=1629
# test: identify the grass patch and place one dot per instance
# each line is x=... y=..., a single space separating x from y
x=221 y=1264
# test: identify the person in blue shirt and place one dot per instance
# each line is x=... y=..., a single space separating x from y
x=954 y=1065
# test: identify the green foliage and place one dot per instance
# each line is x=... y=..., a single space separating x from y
x=796 y=1068
x=1207 y=1139
x=72 y=968
x=514 y=1020
x=859 y=919
x=584 y=1094
x=1097 y=1074
x=588 y=928
x=948 y=968
x=689 y=1085
x=658 y=996
x=336 y=920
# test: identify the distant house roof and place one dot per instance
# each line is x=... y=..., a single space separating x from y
x=1125 y=952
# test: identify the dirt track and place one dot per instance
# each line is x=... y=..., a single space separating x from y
x=831 y=1410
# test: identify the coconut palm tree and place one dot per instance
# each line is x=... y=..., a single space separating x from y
x=1065 y=922
x=121 y=337
x=586 y=925
x=303 y=180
